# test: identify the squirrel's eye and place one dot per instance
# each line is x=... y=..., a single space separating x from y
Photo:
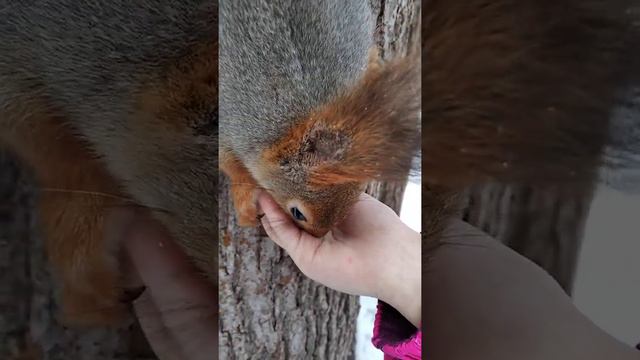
x=297 y=214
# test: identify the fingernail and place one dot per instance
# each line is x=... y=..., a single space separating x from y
x=131 y=294
x=260 y=212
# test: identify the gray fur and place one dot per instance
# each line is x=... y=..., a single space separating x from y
x=280 y=59
x=88 y=60
x=97 y=51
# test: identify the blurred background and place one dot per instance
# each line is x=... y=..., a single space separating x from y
x=606 y=284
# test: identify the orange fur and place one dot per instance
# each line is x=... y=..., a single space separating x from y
x=168 y=143
x=288 y=145
x=78 y=188
x=191 y=81
x=72 y=223
x=378 y=116
x=368 y=132
x=243 y=189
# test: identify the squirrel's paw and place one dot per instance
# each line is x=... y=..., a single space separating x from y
x=248 y=217
x=244 y=200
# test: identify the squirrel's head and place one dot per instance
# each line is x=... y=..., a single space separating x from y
x=318 y=169
x=290 y=177
x=167 y=157
x=316 y=209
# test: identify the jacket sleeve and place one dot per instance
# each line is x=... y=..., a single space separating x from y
x=396 y=336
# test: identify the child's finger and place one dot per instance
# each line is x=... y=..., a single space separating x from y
x=161 y=264
x=284 y=232
x=277 y=224
x=159 y=337
x=186 y=303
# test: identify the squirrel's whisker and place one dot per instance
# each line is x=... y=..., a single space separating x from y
x=85 y=192
x=130 y=202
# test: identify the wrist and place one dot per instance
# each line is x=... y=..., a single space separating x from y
x=400 y=283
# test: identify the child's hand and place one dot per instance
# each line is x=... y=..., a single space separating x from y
x=178 y=310
x=372 y=252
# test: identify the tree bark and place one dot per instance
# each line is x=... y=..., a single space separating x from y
x=268 y=309
x=15 y=284
x=545 y=225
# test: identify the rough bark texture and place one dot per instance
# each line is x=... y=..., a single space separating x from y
x=268 y=309
x=544 y=224
x=15 y=275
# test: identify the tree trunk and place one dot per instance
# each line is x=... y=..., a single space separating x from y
x=268 y=309
x=545 y=225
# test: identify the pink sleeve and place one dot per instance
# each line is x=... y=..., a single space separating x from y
x=396 y=336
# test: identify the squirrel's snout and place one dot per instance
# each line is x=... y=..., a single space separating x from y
x=316 y=232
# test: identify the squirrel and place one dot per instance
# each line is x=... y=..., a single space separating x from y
x=524 y=91
x=308 y=112
x=112 y=103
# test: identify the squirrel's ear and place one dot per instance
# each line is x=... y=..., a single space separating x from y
x=324 y=145
x=372 y=131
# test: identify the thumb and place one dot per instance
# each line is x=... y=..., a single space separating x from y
x=282 y=230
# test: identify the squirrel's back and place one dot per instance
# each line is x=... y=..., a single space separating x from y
x=281 y=59
x=97 y=51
